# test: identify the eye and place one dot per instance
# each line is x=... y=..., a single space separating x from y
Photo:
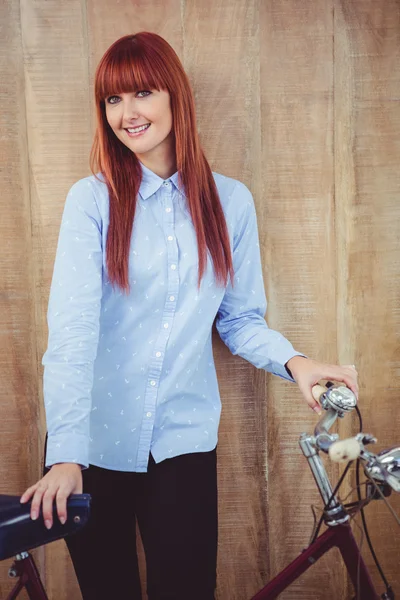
x=110 y=98
x=145 y=92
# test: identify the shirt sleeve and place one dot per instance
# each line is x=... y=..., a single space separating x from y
x=73 y=322
x=240 y=320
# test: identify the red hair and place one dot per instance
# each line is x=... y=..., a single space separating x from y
x=145 y=61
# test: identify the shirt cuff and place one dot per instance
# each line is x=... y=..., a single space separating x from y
x=71 y=449
x=281 y=370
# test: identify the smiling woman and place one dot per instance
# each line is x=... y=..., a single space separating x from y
x=134 y=65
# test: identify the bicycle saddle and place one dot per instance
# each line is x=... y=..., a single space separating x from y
x=18 y=533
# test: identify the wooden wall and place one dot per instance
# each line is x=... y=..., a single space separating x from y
x=300 y=99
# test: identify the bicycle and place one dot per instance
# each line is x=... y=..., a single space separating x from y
x=383 y=476
x=18 y=533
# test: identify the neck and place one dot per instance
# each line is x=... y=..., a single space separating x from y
x=162 y=161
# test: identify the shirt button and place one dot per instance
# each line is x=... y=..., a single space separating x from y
x=172 y=298
x=170 y=238
x=166 y=183
x=165 y=325
x=152 y=382
x=168 y=209
x=173 y=267
x=148 y=414
x=158 y=354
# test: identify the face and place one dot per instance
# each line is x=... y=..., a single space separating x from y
x=142 y=121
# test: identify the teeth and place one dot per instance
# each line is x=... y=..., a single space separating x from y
x=137 y=129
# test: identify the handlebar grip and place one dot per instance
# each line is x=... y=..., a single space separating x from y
x=317 y=391
x=344 y=450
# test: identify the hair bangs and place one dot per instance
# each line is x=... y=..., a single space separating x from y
x=128 y=70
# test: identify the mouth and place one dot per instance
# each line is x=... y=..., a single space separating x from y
x=137 y=131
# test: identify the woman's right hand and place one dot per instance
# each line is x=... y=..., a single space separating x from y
x=62 y=480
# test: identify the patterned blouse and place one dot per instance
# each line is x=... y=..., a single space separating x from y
x=128 y=374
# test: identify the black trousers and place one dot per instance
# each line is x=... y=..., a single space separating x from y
x=175 y=505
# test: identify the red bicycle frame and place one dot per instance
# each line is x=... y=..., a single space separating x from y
x=340 y=536
x=25 y=569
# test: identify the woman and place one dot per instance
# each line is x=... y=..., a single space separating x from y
x=150 y=252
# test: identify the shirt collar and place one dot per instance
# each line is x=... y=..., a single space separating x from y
x=151 y=182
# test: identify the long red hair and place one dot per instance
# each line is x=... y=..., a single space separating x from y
x=145 y=61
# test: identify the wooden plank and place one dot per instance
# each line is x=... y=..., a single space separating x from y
x=367 y=117
x=57 y=101
x=221 y=58
x=299 y=257
x=19 y=447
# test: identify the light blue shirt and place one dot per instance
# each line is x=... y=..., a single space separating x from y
x=126 y=375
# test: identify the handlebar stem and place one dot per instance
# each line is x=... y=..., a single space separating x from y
x=335 y=514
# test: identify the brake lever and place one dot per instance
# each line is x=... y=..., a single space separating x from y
x=385 y=467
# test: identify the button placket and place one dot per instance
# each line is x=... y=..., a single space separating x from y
x=156 y=365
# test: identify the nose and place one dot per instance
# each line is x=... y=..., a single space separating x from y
x=130 y=112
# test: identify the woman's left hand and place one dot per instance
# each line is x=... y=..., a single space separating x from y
x=307 y=373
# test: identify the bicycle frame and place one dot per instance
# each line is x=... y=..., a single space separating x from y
x=340 y=536
x=339 y=533
x=25 y=569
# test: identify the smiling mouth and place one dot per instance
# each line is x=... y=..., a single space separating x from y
x=137 y=130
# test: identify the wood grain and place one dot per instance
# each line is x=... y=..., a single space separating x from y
x=19 y=415
x=300 y=101
x=57 y=109
x=221 y=58
x=296 y=50
x=367 y=119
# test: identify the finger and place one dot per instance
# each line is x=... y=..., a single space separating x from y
x=27 y=495
x=48 y=499
x=348 y=376
x=61 y=501
x=311 y=401
x=350 y=367
x=344 y=374
x=350 y=379
x=354 y=387
x=317 y=391
x=78 y=488
x=37 y=500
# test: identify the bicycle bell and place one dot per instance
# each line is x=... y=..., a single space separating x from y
x=340 y=398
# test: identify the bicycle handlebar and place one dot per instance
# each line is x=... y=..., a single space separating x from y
x=338 y=401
